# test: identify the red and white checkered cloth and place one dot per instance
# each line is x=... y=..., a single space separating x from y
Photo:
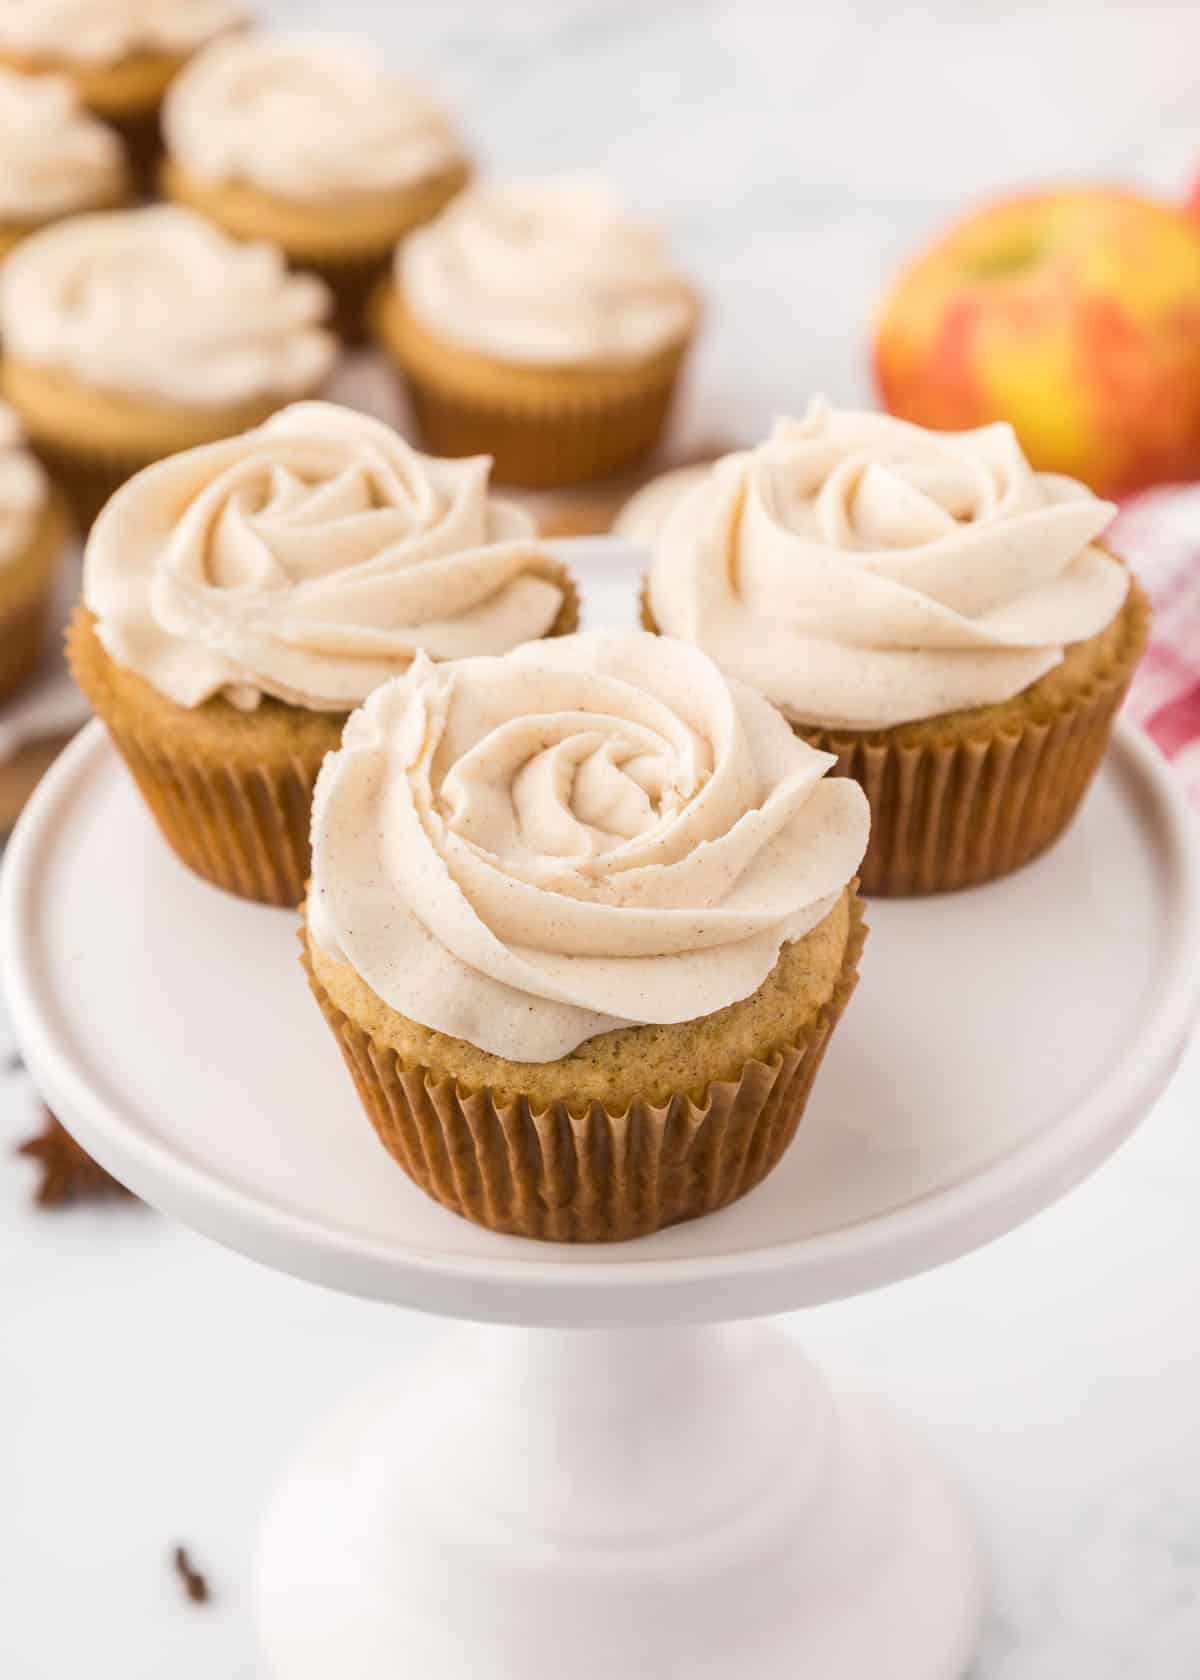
x=1159 y=534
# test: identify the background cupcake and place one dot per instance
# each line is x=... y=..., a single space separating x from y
x=55 y=159
x=137 y=333
x=120 y=54
x=582 y=920
x=240 y=599
x=928 y=608
x=305 y=140
x=537 y=322
x=33 y=538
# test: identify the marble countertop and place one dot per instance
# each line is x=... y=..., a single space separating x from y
x=797 y=151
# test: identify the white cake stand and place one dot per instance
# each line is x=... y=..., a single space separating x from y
x=609 y=1481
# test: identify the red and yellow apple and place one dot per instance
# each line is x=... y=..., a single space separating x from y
x=1076 y=316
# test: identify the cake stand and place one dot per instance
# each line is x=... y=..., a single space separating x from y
x=614 y=1473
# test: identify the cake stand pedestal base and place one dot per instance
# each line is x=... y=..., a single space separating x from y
x=641 y=1504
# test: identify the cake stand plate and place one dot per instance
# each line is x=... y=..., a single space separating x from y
x=606 y=1478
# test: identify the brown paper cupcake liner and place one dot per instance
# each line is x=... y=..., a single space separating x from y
x=87 y=478
x=244 y=827
x=589 y=1174
x=541 y=435
x=956 y=808
x=142 y=136
x=27 y=599
x=545 y=448
x=240 y=818
x=23 y=639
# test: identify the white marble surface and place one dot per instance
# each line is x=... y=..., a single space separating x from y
x=151 y=1383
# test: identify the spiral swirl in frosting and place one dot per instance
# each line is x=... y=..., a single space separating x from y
x=863 y=572
x=24 y=488
x=311 y=559
x=158 y=304
x=586 y=834
x=106 y=31
x=545 y=273
x=306 y=118
x=54 y=156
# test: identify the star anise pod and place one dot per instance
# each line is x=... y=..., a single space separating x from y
x=68 y=1172
x=193 y=1582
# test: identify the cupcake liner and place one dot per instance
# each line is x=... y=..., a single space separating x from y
x=244 y=827
x=23 y=642
x=87 y=478
x=954 y=809
x=142 y=137
x=239 y=817
x=541 y=433
x=585 y=1173
x=543 y=449
x=28 y=598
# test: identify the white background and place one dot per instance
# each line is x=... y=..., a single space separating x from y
x=150 y=1384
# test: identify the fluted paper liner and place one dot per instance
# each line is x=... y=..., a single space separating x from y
x=28 y=597
x=539 y=439
x=953 y=808
x=87 y=478
x=583 y=1173
x=242 y=822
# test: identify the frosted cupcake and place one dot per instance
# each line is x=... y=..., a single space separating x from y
x=928 y=608
x=33 y=539
x=120 y=54
x=55 y=159
x=537 y=322
x=131 y=335
x=582 y=920
x=240 y=599
x=307 y=141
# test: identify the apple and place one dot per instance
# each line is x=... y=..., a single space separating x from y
x=1076 y=316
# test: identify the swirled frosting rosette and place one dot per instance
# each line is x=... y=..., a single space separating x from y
x=865 y=573
x=586 y=834
x=311 y=559
x=306 y=118
x=545 y=274
x=54 y=156
x=105 y=31
x=158 y=305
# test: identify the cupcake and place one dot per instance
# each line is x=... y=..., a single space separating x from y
x=240 y=599
x=536 y=322
x=133 y=334
x=33 y=538
x=582 y=920
x=307 y=141
x=55 y=158
x=926 y=607
x=120 y=54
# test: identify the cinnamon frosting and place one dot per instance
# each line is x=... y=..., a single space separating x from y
x=307 y=118
x=24 y=488
x=588 y=833
x=545 y=273
x=863 y=572
x=311 y=559
x=106 y=31
x=158 y=304
x=54 y=156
